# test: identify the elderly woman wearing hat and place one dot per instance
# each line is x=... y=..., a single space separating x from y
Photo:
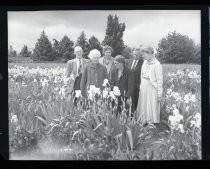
x=121 y=78
x=107 y=60
x=148 y=109
x=94 y=73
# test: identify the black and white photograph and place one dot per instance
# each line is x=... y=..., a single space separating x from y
x=104 y=85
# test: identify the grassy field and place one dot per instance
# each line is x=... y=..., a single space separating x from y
x=35 y=65
x=166 y=67
x=19 y=59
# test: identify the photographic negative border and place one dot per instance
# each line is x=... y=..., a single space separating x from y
x=4 y=139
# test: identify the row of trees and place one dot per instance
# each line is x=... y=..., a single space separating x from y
x=64 y=49
x=174 y=48
x=11 y=52
x=25 y=52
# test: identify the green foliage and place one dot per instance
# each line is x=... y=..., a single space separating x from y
x=55 y=48
x=197 y=55
x=178 y=48
x=25 y=52
x=43 y=49
x=11 y=52
x=65 y=48
x=14 y=53
x=94 y=44
x=114 y=34
x=82 y=42
x=90 y=130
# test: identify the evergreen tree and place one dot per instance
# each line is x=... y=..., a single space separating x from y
x=197 y=55
x=25 y=52
x=43 y=49
x=177 y=48
x=14 y=53
x=11 y=52
x=55 y=48
x=94 y=44
x=65 y=48
x=114 y=35
x=56 y=43
x=82 y=42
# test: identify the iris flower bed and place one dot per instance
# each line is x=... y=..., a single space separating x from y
x=46 y=123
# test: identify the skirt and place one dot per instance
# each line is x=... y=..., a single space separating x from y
x=148 y=108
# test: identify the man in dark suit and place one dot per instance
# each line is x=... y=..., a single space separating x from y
x=134 y=65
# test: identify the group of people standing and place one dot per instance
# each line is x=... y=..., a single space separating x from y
x=139 y=79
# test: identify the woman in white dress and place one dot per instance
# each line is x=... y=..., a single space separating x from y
x=148 y=109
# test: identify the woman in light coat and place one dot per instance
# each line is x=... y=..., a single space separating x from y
x=148 y=109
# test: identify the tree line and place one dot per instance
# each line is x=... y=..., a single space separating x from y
x=174 y=48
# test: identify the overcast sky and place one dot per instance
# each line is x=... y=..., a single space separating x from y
x=142 y=26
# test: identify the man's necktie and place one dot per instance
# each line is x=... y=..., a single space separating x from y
x=134 y=64
x=80 y=67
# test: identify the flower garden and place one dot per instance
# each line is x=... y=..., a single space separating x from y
x=45 y=122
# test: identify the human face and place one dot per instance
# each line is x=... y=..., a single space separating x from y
x=118 y=65
x=108 y=54
x=78 y=52
x=95 y=59
x=136 y=54
x=147 y=55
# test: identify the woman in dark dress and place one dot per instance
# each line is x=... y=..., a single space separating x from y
x=122 y=78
